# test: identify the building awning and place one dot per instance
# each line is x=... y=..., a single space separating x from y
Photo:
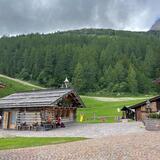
x=127 y=109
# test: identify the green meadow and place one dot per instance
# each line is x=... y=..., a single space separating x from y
x=96 y=109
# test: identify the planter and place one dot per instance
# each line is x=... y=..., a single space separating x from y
x=125 y=120
x=152 y=124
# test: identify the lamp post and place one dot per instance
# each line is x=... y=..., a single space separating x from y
x=66 y=82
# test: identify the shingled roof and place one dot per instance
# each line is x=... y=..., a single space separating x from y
x=39 y=98
x=144 y=102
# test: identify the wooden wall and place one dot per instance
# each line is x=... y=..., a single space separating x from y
x=37 y=115
x=141 y=112
x=67 y=114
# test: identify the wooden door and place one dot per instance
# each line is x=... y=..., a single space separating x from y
x=158 y=106
x=5 y=120
x=12 y=120
x=138 y=115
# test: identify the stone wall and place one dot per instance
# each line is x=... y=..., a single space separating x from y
x=152 y=124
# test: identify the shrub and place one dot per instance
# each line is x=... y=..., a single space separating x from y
x=154 y=115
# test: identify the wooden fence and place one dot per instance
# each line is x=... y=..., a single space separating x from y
x=93 y=117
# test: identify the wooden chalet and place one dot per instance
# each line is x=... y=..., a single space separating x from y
x=157 y=81
x=141 y=110
x=39 y=108
x=128 y=113
x=2 y=85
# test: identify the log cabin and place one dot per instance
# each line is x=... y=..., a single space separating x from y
x=141 y=110
x=39 y=108
x=2 y=85
x=157 y=81
x=128 y=113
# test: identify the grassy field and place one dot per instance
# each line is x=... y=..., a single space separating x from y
x=22 y=142
x=97 y=106
x=101 y=108
x=14 y=85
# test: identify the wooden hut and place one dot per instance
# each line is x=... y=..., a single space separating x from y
x=157 y=81
x=39 y=108
x=2 y=85
x=144 y=108
x=128 y=113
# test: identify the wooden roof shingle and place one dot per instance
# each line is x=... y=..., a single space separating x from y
x=35 y=98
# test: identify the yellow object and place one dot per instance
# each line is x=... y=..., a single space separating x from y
x=81 y=118
x=118 y=110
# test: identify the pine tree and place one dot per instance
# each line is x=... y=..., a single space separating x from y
x=78 y=80
x=132 y=82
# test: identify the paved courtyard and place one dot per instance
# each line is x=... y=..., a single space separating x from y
x=133 y=146
x=81 y=130
x=118 y=141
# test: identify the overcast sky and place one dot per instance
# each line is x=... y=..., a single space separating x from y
x=30 y=16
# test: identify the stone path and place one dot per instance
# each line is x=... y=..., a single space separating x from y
x=81 y=130
x=133 y=146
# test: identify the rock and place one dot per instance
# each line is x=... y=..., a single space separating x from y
x=156 y=26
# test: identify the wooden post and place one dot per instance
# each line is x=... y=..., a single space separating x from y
x=94 y=116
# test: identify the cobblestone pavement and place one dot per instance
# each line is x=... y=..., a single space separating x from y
x=81 y=130
x=133 y=146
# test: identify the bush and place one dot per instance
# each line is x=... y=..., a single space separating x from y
x=154 y=115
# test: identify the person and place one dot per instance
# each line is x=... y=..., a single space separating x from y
x=0 y=119
x=59 y=122
x=49 y=119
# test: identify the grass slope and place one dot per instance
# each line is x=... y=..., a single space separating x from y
x=99 y=107
x=103 y=108
x=15 y=85
x=22 y=142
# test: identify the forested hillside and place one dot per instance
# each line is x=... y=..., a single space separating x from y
x=92 y=59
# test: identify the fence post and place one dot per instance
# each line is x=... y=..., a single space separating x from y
x=94 y=116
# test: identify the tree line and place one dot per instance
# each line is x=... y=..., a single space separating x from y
x=92 y=59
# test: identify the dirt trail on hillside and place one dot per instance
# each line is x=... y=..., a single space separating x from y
x=117 y=99
x=22 y=82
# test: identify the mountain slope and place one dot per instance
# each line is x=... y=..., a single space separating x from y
x=12 y=85
x=92 y=59
x=156 y=26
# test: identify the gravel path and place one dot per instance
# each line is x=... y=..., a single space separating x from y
x=81 y=130
x=133 y=146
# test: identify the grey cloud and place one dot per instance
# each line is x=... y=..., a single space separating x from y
x=28 y=16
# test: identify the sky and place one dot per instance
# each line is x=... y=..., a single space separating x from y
x=45 y=16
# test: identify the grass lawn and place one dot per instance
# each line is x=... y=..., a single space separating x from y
x=103 y=108
x=22 y=142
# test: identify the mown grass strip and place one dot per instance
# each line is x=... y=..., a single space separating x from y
x=22 y=142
